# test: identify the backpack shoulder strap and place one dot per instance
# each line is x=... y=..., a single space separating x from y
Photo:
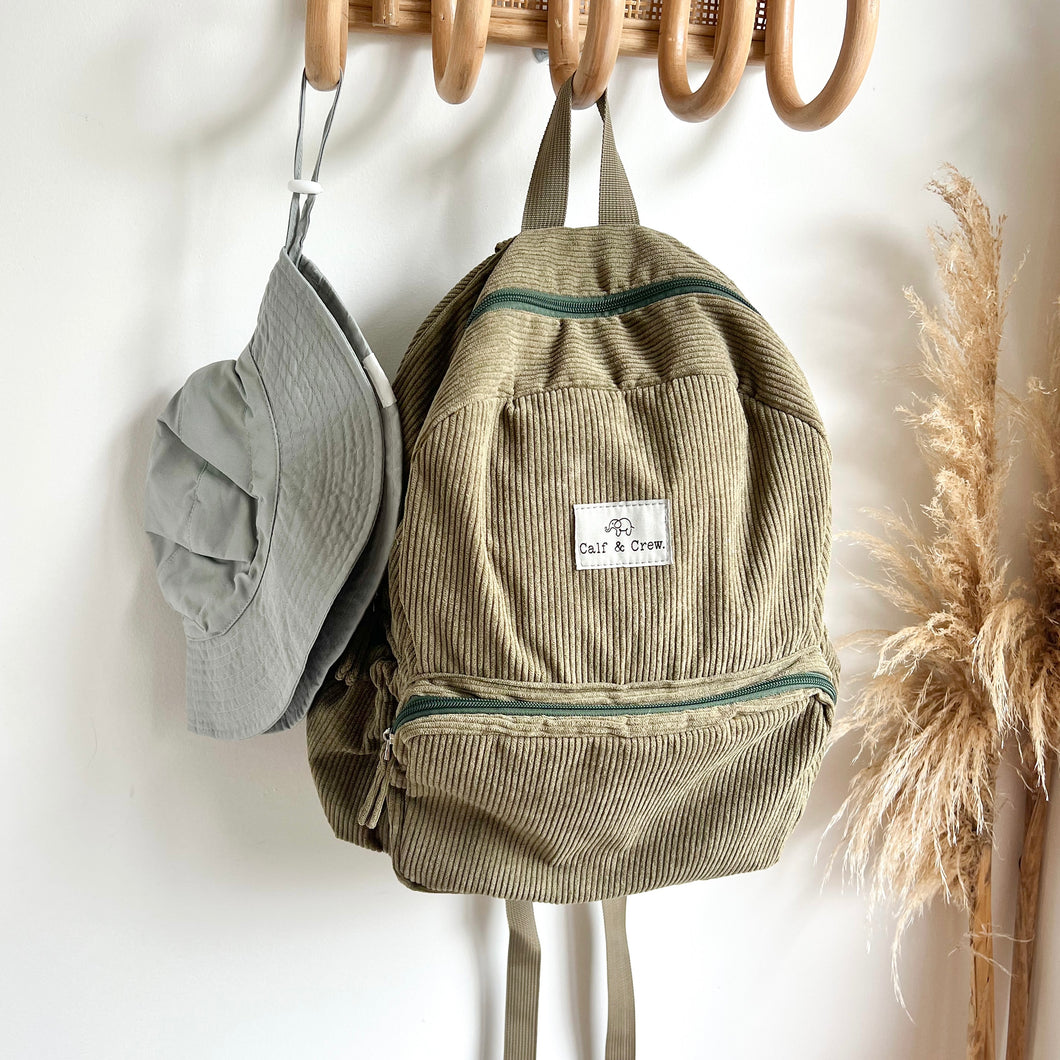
x=524 y=980
x=621 y=1015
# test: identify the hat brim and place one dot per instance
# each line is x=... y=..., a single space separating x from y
x=360 y=588
x=331 y=461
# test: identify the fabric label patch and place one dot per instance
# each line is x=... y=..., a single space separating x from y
x=622 y=534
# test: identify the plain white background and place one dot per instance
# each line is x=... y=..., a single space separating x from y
x=166 y=896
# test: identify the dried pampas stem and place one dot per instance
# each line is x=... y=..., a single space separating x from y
x=1027 y=903
x=981 y=1034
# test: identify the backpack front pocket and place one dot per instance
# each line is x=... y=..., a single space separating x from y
x=576 y=802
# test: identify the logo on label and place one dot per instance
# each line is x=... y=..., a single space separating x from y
x=641 y=532
x=620 y=526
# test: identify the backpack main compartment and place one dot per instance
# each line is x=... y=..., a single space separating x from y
x=563 y=734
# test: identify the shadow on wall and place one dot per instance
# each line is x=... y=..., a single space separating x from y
x=196 y=91
x=247 y=812
x=876 y=459
x=480 y=916
x=225 y=818
x=246 y=808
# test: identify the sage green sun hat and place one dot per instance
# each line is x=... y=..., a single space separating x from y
x=272 y=495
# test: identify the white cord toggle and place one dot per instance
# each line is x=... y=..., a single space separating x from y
x=300 y=186
x=374 y=370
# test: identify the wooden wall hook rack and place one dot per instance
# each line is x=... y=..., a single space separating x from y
x=584 y=37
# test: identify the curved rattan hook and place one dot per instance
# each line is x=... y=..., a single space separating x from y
x=326 y=35
x=593 y=68
x=732 y=46
x=859 y=37
x=458 y=43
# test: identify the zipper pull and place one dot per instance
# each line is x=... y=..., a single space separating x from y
x=375 y=800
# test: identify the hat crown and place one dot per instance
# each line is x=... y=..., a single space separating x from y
x=211 y=490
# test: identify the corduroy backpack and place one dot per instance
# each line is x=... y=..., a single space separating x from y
x=599 y=666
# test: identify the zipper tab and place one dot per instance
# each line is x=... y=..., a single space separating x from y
x=375 y=800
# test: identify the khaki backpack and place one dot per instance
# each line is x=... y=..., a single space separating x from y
x=601 y=665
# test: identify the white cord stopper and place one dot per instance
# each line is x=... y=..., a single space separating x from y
x=304 y=187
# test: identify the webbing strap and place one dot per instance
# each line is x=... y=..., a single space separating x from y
x=546 y=201
x=524 y=980
x=621 y=1012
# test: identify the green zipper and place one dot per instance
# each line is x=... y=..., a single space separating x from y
x=428 y=706
x=607 y=305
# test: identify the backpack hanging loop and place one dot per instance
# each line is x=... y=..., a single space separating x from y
x=546 y=200
x=591 y=69
x=732 y=47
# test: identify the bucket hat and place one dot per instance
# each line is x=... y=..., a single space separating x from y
x=273 y=489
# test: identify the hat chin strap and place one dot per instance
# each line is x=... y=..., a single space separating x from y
x=298 y=217
x=524 y=981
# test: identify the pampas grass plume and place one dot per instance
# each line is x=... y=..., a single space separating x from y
x=919 y=812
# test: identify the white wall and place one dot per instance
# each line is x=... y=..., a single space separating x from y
x=166 y=896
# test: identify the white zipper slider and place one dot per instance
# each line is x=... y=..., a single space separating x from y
x=388 y=740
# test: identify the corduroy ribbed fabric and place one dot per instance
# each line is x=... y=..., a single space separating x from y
x=511 y=418
x=510 y=421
